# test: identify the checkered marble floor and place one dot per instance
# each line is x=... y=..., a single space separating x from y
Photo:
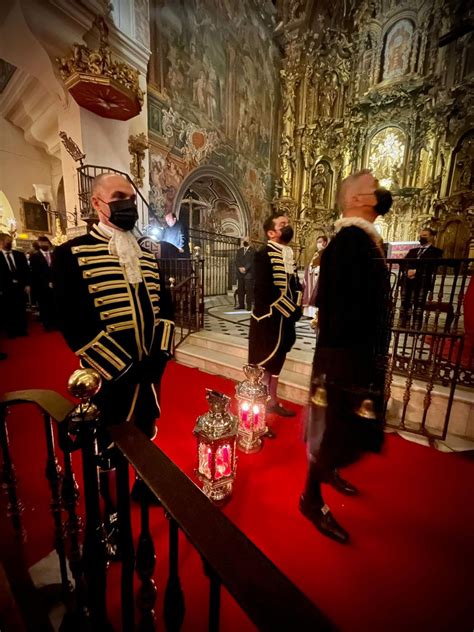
x=221 y=317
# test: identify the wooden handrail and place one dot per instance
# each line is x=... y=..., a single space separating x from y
x=55 y=405
x=268 y=597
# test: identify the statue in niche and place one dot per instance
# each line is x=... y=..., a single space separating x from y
x=464 y=172
x=328 y=94
x=319 y=186
x=395 y=178
x=285 y=167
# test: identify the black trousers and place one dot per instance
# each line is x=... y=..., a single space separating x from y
x=47 y=307
x=13 y=317
x=127 y=401
x=245 y=290
x=413 y=301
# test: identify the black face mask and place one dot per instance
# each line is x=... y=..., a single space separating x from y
x=44 y=248
x=286 y=234
x=123 y=214
x=246 y=243
x=384 y=201
x=423 y=241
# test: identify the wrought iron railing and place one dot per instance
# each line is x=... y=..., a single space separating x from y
x=185 y=278
x=219 y=252
x=430 y=346
x=85 y=177
x=267 y=596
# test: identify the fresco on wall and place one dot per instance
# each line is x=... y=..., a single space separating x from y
x=214 y=95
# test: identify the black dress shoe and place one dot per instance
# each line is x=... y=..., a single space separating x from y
x=323 y=520
x=270 y=434
x=278 y=409
x=341 y=485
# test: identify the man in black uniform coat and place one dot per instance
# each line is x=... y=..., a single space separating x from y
x=42 y=282
x=14 y=287
x=113 y=308
x=349 y=361
x=176 y=233
x=278 y=295
x=245 y=275
x=418 y=279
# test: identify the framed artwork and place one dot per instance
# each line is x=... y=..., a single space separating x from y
x=34 y=218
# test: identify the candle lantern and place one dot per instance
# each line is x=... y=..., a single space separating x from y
x=252 y=396
x=216 y=433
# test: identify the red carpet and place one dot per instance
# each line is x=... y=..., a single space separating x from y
x=409 y=566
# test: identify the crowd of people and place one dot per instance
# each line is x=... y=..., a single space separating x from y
x=25 y=286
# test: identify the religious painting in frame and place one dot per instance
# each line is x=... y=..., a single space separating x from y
x=398 y=45
x=34 y=218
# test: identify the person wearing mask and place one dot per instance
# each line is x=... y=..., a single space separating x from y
x=418 y=279
x=351 y=352
x=176 y=233
x=14 y=288
x=115 y=312
x=310 y=280
x=41 y=282
x=245 y=275
x=278 y=295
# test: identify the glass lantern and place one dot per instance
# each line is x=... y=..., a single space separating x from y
x=252 y=397
x=216 y=433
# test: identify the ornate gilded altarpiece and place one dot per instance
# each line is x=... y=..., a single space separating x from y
x=386 y=85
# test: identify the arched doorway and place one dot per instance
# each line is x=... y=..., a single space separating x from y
x=209 y=199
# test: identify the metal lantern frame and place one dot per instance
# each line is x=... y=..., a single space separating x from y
x=252 y=397
x=216 y=434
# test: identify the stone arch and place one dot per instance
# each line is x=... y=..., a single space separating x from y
x=221 y=191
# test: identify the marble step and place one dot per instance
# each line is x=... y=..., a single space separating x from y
x=223 y=355
x=293 y=385
x=296 y=361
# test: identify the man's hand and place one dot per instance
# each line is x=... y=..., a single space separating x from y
x=27 y=289
x=181 y=250
x=411 y=274
x=242 y=270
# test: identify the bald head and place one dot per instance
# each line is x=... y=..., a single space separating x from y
x=109 y=187
x=356 y=196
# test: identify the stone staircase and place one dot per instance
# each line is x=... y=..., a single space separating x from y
x=225 y=355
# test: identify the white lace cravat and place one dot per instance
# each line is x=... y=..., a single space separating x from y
x=124 y=245
x=288 y=257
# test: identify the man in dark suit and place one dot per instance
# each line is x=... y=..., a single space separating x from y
x=14 y=288
x=245 y=277
x=176 y=233
x=42 y=282
x=351 y=352
x=278 y=295
x=418 y=279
